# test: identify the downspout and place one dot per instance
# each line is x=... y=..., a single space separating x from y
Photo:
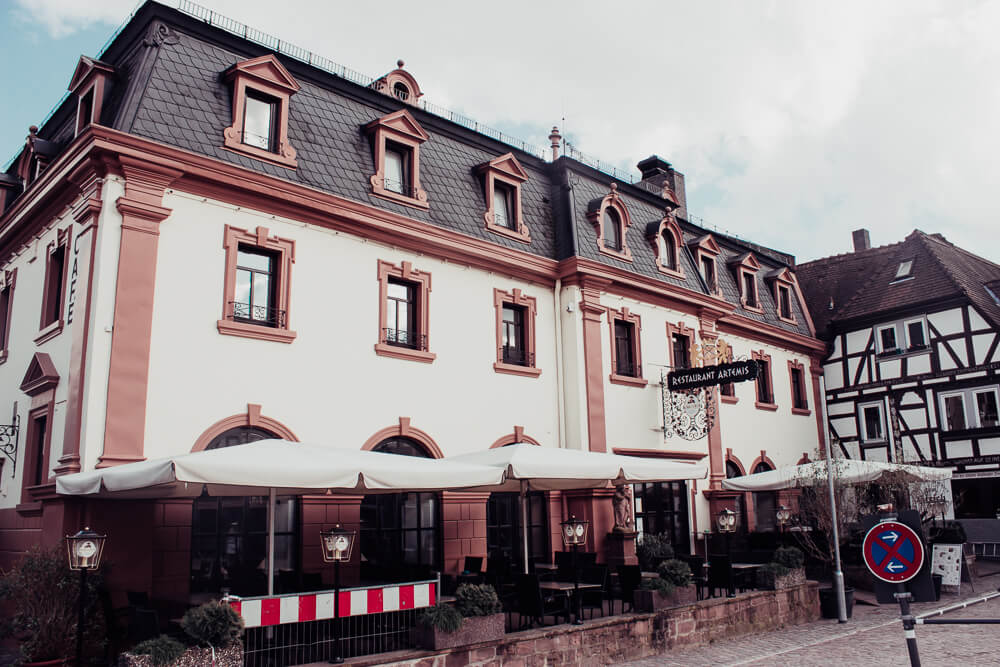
x=560 y=401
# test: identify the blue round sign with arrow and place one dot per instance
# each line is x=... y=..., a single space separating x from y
x=893 y=552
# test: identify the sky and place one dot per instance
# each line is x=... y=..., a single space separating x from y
x=794 y=122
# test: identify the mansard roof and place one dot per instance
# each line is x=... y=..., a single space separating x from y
x=862 y=285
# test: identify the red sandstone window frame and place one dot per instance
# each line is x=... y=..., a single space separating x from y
x=6 y=286
x=50 y=320
x=30 y=470
x=668 y=225
x=782 y=279
x=264 y=76
x=800 y=404
x=705 y=248
x=421 y=280
x=596 y=217
x=529 y=305
x=283 y=250
x=401 y=128
x=509 y=173
x=746 y=266
x=762 y=356
x=681 y=329
x=624 y=315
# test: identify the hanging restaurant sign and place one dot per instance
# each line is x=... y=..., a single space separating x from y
x=710 y=376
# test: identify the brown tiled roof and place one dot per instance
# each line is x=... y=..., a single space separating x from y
x=862 y=284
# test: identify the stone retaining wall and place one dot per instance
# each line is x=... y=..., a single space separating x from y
x=627 y=637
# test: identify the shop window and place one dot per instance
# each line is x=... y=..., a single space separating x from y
x=400 y=530
x=502 y=180
x=257 y=288
x=662 y=507
x=262 y=89
x=797 y=381
x=611 y=221
x=872 y=422
x=396 y=139
x=6 y=310
x=51 y=321
x=626 y=347
x=765 y=382
x=765 y=504
x=504 y=531
x=516 y=315
x=404 y=295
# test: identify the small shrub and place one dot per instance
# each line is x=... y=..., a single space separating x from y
x=659 y=584
x=477 y=600
x=774 y=569
x=161 y=650
x=653 y=548
x=676 y=572
x=212 y=624
x=790 y=557
x=444 y=617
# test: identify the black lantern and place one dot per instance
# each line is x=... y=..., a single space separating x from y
x=337 y=544
x=727 y=521
x=574 y=533
x=783 y=514
x=84 y=551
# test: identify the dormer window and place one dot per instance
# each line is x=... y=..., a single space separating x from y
x=708 y=273
x=611 y=220
x=668 y=250
x=502 y=179
x=904 y=270
x=91 y=81
x=399 y=84
x=784 y=302
x=262 y=89
x=666 y=238
x=396 y=147
x=750 y=290
x=781 y=281
x=705 y=251
x=745 y=268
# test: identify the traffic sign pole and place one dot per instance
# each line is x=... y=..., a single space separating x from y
x=909 y=631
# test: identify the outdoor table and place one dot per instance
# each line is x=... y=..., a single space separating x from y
x=565 y=586
x=545 y=567
x=748 y=573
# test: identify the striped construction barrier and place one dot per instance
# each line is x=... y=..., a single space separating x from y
x=304 y=607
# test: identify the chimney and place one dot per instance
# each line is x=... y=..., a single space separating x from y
x=657 y=172
x=555 y=138
x=861 y=240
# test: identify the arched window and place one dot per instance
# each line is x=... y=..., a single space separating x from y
x=765 y=503
x=229 y=535
x=400 y=530
x=612 y=227
x=668 y=250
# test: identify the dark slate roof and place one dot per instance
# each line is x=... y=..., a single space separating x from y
x=862 y=285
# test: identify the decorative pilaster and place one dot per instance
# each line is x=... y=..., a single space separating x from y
x=142 y=211
x=593 y=315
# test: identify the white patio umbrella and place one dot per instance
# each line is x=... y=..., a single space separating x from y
x=850 y=471
x=278 y=466
x=528 y=466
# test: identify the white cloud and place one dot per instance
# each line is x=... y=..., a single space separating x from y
x=794 y=122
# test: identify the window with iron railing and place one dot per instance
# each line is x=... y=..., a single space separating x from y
x=259 y=121
x=401 y=316
x=256 y=284
x=397 y=169
x=503 y=209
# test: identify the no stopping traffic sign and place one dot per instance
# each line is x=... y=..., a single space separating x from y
x=893 y=552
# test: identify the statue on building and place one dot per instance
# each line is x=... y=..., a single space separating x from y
x=623 y=508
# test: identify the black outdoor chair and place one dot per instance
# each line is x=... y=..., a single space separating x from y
x=720 y=574
x=585 y=559
x=698 y=575
x=593 y=598
x=143 y=621
x=534 y=604
x=564 y=565
x=472 y=565
x=629 y=578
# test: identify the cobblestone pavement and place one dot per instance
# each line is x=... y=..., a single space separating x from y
x=874 y=636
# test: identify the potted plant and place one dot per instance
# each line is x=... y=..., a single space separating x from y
x=652 y=549
x=476 y=617
x=213 y=632
x=785 y=570
x=671 y=589
x=44 y=595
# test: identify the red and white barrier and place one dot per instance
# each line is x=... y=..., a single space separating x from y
x=302 y=607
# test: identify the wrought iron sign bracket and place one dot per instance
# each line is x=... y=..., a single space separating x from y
x=9 y=436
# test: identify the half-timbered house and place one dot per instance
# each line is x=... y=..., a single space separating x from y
x=912 y=371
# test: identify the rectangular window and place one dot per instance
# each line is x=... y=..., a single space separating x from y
x=954 y=412
x=872 y=426
x=398 y=530
x=86 y=111
x=397 y=169
x=401 y=315
x=682 y=350
x=986 y=408
x=255 y=287
x=661 y=507
x=39 y=431
x=625 y=349
x=728 y=389
x=749 y=290
x=54 y=273
x=514 y=351
x=503 y=208
x=798 y=390
x=6 y=302
x=970 y=408
x=259 y=115
x=784 y=302
x=708 y=272
x=764 y=393
x=915 y=336
x=887 y=339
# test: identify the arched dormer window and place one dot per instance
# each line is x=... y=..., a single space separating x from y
x=399 y=84
x=666 y=239
x=611 y=221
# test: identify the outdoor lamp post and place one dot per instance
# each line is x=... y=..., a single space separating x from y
x=727 y=525
x=337 y=544
x=783 y=515
x=84 y=553
x=574 y=534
